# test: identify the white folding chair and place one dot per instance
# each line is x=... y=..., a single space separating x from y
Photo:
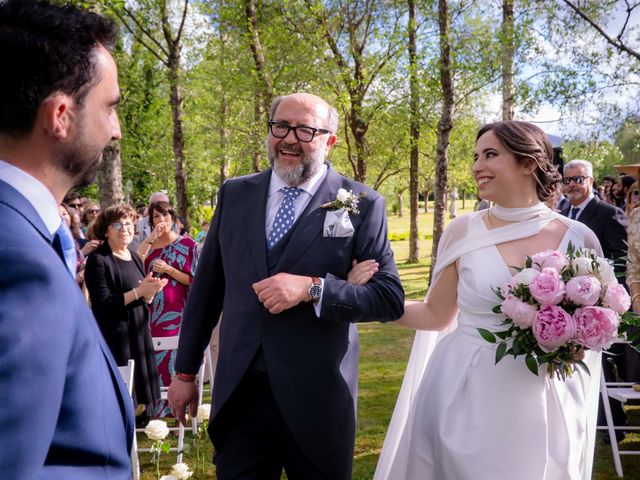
x=171 y=343
x=623 y=392
x=127 y=375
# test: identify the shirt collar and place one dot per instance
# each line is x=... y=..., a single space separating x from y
x=35 y=192
x=584 y=203
x=310 y=186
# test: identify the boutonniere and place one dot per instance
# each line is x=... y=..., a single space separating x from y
x=346 y=200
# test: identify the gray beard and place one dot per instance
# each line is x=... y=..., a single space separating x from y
x=298 y=174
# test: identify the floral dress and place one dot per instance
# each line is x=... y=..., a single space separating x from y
x=167 y=306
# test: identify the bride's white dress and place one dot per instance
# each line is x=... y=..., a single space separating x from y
x=462 y=417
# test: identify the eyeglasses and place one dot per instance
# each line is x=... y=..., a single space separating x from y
x=302 y=133
x=120 y=226
x=578 y=179
x=93 y=210
x=75 y=205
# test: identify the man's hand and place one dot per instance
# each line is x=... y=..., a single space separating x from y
x=180 y=395
x=282 y=291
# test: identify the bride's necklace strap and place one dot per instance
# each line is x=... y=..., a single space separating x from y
x=520 y=214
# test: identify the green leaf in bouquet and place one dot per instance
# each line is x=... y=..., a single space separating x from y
x=528 y=262
x=545 y=357
x=497 y=309
x=584 y=367
x=503 y=335
x=498 y=292
x=571 y=249
x=531 y=363
x=517 y=347
x=501 y=351
x=517 y=269
x=487 y=335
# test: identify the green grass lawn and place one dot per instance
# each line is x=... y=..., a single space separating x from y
x=384 y=351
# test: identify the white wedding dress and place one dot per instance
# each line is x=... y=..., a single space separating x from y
x=462 y=417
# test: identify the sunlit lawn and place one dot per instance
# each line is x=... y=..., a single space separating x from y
x=384 y=352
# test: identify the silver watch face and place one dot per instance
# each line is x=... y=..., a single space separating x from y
x=315 y=291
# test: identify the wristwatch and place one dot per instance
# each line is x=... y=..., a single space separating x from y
x=315 y=289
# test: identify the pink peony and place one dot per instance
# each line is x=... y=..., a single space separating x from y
x=553 y=327
x=583 y=290
x=616 y=298
x=596 y=327
x=522 y=314
x=548 y=288
x=550 y=259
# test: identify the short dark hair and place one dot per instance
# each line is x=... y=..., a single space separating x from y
x=110 y=215
x=45 y=49
x=528 y=142
x=608 y=177
x=627 y=181
x=163 y=208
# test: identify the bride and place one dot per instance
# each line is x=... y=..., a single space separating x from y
x=460 y=416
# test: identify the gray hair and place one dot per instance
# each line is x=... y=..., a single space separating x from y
x=579 y=163
x=332 y=117
x=158 y=197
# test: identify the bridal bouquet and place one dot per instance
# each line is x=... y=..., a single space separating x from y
x=558 y=306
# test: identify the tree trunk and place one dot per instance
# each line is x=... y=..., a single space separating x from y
x=257 y=53
x=414 y=138
x=464 y=199
x=426 y=201
x=508 y=54
x=223 y=131
x=359 y=127
x=175 y=99
x=110 y=176
x=445 y=125
x=258 y=147
x=399 y=197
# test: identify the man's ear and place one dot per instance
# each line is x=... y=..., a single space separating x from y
x=56 y=115
x=331 y=141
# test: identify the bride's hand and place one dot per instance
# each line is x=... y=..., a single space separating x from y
x=360 y=273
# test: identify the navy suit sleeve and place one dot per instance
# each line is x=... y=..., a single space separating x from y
x=382 y=298
x=614 y=239
x=204 y=304
x=36 y=344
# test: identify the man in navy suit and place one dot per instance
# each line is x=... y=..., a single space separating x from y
x=609 y=223
x=275 y=262
x=65 y=411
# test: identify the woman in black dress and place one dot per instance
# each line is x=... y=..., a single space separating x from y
x=119 y=293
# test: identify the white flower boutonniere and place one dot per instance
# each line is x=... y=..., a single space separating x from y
x=346 y=200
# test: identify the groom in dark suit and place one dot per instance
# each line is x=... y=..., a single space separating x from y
x=65 y=413
x=275 y=262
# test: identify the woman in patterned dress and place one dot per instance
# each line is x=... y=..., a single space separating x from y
x=171 y=256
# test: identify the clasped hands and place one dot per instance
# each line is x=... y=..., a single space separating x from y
x=284 y=290
x=149 y=286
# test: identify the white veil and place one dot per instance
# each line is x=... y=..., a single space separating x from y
x=455 y=243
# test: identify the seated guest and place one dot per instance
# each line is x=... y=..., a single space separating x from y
x=119 y=292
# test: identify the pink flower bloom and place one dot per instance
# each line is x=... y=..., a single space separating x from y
x=583 y=290
x=616 y=298
x=550 y=259
x=548 y=288
x=596 y=327
x=553 y=327
x=522 y=314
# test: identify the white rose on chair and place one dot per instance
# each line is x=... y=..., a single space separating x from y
x=204 y=411
x=181 y=471
x=156 y=430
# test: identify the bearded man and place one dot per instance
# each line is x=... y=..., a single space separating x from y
x=275 y=263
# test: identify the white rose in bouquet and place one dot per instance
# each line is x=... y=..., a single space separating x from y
x=181 y=471
x=525 y=276
x=582 y=265
x=204 y=411
x=168 y=477
x=156 y=430
x=605 y=272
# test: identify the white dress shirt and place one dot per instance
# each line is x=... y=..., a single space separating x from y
x=33 y=190
x=582 y=206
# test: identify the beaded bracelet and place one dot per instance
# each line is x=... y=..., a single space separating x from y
x=186 y=377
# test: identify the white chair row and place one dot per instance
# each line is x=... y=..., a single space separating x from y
x=623 y=392
x=162 y=344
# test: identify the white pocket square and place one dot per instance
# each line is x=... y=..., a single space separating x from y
x=337 y=224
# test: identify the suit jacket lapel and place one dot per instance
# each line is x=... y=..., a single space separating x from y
x=309 y=225
x=589 y=211
x=256 y=201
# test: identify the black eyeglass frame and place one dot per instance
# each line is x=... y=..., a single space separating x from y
x=578 y=179
x=314 y=131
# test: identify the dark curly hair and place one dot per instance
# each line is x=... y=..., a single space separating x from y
x=163 y=208
x=528 y=143
x=44 y=49
x=112 y=214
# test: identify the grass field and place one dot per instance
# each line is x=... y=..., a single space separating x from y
x=384 y=351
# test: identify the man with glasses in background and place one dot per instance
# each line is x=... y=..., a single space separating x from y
x=275 y=262
x=609 y=223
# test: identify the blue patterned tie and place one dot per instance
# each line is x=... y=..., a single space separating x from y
x=284 y=217
x=65 y=246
